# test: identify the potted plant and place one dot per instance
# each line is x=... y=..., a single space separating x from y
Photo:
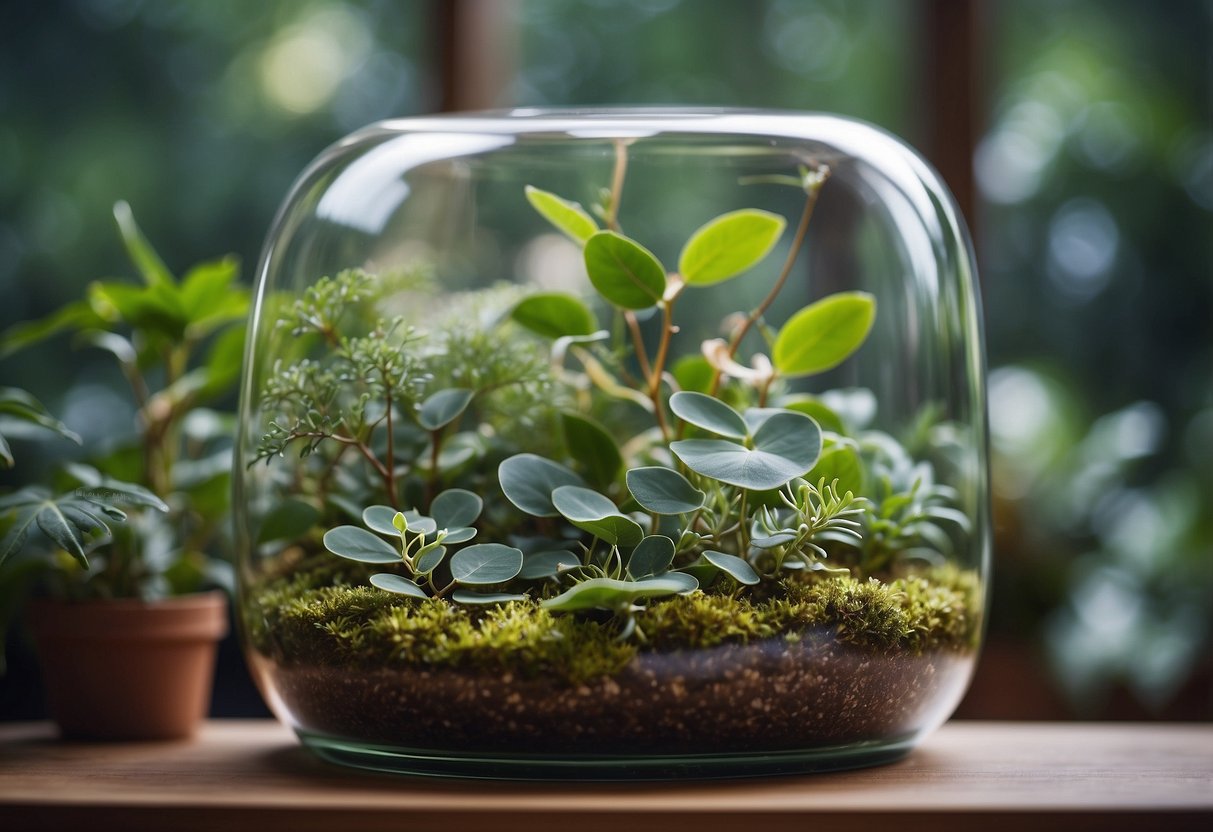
x=130 y=621
x=609 y=527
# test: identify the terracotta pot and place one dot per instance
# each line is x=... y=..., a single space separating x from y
x=128 y=669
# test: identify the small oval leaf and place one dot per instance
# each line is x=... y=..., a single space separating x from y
x=429 y=561
x=529 y=480
x=567 y=217
x=663 y=490
x=709 y=413
x=443 y=407
x=358 y=544
x=652 y=556
x=382 y=519
x=546 y=564
x=729 y=245
x=822 y=335
x=596 y=514
x=734 y=566
x=455 y=508
x=459 y=535
x=611 y=594
x=486 y=563
x=555 y=315
x=396 y=584
x=623 y=271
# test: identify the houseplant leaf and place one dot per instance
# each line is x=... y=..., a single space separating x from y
x=729 y=245
x=623 y=271
x=822 y=335
x=568 y=217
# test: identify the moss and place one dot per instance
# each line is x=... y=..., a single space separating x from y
x=295 y=623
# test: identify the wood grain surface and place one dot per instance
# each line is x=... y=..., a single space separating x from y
x=253 y=775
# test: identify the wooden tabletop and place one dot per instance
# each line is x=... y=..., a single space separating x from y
x=253 y=775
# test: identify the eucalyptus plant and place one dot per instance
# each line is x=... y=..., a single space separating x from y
x=652 y=478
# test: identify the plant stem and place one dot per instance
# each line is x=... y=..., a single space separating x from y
x=797 y=243
x=391 y=445
x=617 y=177
x=642 y=356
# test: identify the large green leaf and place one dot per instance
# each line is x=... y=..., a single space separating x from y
x=840 y=463
x=486 y=563
x=817 y=410
x=398 y=585
x=611 y=594
x=529 y=480
x=822 y=335
x=652 y=556
x=693 y=373
x=107 y=489
x=709 y=413
x=663 y=490
x=555 y=315
x=78 y=316
x=590 y=511
x=288 y=520
x=444 y=407
x=623 y=271
x=786 y=446
x=456 y=508
x=568 y=217
x=729 y=245
x=358 y=544
x=212 y=298
x=592 y=447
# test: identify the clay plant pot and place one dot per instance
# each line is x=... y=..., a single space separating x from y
x=128 y=669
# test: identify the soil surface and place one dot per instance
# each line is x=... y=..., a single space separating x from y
x=738 y=698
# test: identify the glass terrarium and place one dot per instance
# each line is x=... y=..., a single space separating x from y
x=614 y=444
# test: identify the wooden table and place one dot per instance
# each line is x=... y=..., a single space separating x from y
x=970 y=775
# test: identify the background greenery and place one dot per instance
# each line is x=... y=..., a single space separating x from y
x=1095 y=172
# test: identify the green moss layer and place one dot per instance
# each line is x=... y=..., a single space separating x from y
x=297 y=624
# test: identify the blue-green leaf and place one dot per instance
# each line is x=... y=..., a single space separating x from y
x=652 y=556
x=486 y=563
x=786 y=446
x=396 y=584
x=288 y=520
x=444 y=407
x=736 y=568
x=596 y=514
x=358 y=544
x=663 y=490
x=623 y=271
x=429 y=561
x=455 y=508
x=546 y=564
x=529 y=480
x=709 y=413
x=382 y=519
x=466 y=596
x=729 y=245
x=822 y=335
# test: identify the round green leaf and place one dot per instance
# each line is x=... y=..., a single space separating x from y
x=358 y=544
x=394 y=583
x=736 y=568
x=652 y=556
x=428 y=562
x=466 y=596
x=729 y=245
x=663 y=490
x=709 y=413
x=592 y=447
x=443 y=407
x=529 y=480
x=555 y=315
x=382 y=519
x=839 y=463
x=610 y=594
x=486 y=563
x=596 y=514
x=546 y=564
x=818 y=411
x=822 y=335
x=568 y=217
x=455 y=508
x=693 y=373
x=786 y=446
x=623 y=271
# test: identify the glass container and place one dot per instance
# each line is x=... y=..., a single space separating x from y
x=613 y=444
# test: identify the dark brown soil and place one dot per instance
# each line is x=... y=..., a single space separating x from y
x=739 y=698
